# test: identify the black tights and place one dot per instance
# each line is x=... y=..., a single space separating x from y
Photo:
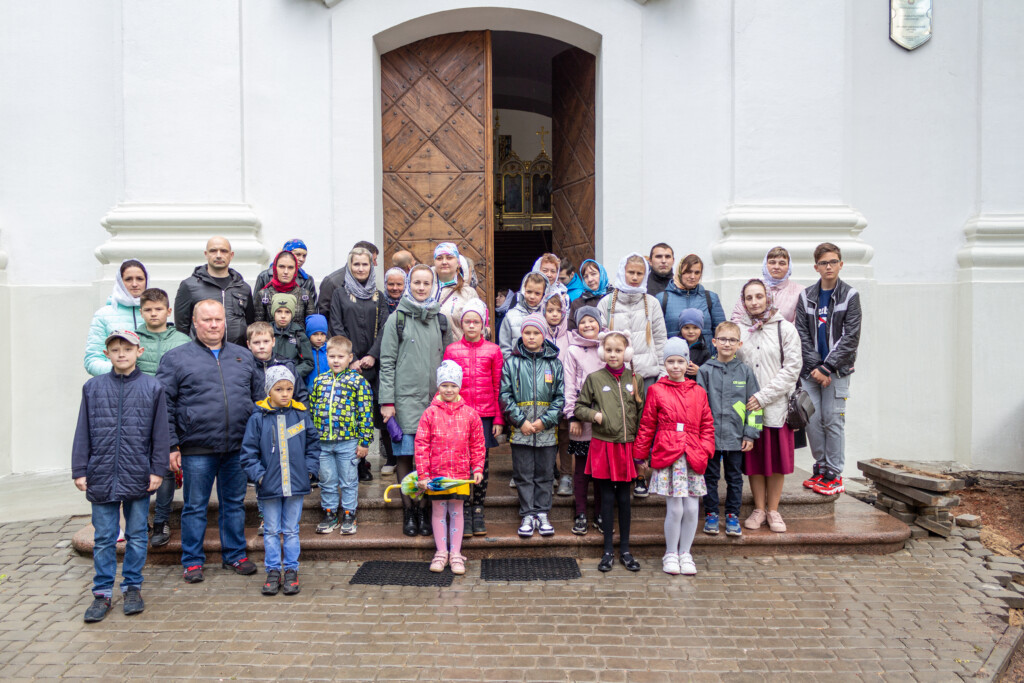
x=620 y=493
x=403 y=467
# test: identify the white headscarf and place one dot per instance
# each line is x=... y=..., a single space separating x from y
x=767 y=277
x=121 y=295
x=620 y=277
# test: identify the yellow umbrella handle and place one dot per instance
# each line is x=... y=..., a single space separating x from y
x=388 y=490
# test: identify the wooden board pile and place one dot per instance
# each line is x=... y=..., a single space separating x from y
x=913 y=496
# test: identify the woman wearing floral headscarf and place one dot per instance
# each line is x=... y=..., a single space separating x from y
x=298 y=249
x=451 y=290
x=776 y=270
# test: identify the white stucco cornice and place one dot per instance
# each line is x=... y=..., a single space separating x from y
x=994 y=250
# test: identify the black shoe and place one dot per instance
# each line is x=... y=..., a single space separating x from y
x=478 y=521
x=467 y=521
x=193 y=574
x=629 y=562
x=243 y=567
x=580 y=526
x=97 y=610
x=598 y=523
x=329 y=522
x=290 y=584
x=364 y=471
x=133 y=603
x=161 y=534
x=348 y=523
x=273 y=583
x=605 y=565
x=409 y=526
x=425 y=526
x=640 y=489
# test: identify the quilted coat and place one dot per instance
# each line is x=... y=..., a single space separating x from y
x=449 y=441
x=760 y=351
x=580 y=360
x=280 y=450
x=630 y=314
x=677 y=300
x=481 y=364
x=533 y=388
x=676 y=420
x=113 y=316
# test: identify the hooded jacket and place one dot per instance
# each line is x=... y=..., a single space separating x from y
x=481 y=364
x=620 y=402
x=408 y=368
x=236 y=297
x=362 y=321
x=319 y=364
x=776 y=380
x=676 y=420
x=301 y=393
x=631 y=312
x=280 y=450
x=155 y=345
x=121 y=436
x=729 y=386
x=449 y=441
x=512 y=325
x=533 y=388
x=293 y=344
x=580 y=360
x=844 y=318
x=113 y=316
x=674 y=301
x=342 y=405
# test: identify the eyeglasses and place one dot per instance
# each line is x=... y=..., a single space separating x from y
x=727 y=340
x=828 y=264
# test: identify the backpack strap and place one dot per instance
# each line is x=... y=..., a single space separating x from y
x=663 y=300
x=442 y=323
x=400 y=325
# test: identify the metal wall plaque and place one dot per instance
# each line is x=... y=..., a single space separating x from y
x=910 y=22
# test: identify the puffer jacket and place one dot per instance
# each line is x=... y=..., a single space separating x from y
x=319 y=364
x=512 y=325
x=305 y=304
x=209 y=398
x=533 y=388
x=631 y=313
x=776 y=380
x=307 y=283
x=121 y=436
x=301 y=393
x=451 y=301
x=155 y=345
x=408 y=369
x=844 y=317
x=580 y=360
x=481 y=364
x=236 y=297
x=362 y=321
x=674 y=301
x=449 y=441
x=113 y=316
x=280 y=467
x=676 y=420
x=342 y=405
x=293 y=344
x=620 y=402
x=729 y=387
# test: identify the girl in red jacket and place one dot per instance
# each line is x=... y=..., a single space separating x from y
x=449 y=443
x=677 y=432
x=481 y=363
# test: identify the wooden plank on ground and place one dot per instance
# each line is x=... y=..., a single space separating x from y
x=917 y=497
x=907 y=479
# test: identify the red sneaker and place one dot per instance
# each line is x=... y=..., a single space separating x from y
x=830 y=488
x=812 y=482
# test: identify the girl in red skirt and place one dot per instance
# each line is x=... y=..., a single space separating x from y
x=612 y=399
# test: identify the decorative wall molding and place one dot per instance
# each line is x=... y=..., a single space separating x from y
x=994 y=251
x=170 y=238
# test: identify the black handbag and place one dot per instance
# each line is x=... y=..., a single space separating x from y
x=800 y=407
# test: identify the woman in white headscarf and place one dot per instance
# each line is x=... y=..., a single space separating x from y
x=121 y=312
x=630 y=307
x=776 y=270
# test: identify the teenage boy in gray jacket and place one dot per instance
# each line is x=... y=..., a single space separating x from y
x=730 y=384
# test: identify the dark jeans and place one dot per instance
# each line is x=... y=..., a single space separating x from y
x=533 y=468
x=200 y=471
x=733 y=480
x=106 y=520
x=164 y=498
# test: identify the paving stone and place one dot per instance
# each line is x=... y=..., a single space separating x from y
x=969 y=521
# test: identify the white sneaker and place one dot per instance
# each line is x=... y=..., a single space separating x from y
x=686 y=565
x=543 y=525
x=670 y=563
x=511 y=483
x=387 y=469
x=526 y=528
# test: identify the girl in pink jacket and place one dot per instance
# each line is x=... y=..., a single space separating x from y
x=449 y=443
x=481 y=363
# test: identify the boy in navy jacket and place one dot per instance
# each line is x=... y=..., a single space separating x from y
x=119 y=457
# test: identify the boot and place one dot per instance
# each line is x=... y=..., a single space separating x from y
x=467 y=527
x=409 y=524
x=426 y=527
x=478 y=521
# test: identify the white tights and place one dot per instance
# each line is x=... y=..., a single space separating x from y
x=680 y=523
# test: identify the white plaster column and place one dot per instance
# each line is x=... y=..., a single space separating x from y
x=6 y=383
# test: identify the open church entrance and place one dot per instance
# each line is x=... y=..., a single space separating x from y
x=488 y=142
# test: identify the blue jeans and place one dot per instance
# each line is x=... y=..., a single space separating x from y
x=826 y=430
x=164 y=498
x=281 y=519
x=733 y=480
x=199 y=473
x=106 y=520
x=337 y=471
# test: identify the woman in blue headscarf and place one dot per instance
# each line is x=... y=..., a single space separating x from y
x=595 y=286
x=298 y=249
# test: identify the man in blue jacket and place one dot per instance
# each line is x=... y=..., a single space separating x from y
x=212 y=386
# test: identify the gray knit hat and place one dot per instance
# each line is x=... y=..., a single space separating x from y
x=592 y=311
x=676 y=346
x=449 y=371
x=276 y=374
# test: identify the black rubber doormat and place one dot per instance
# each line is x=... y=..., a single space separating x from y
x=391 y=573
x=530 y=569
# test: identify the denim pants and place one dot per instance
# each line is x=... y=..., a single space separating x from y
x=339 y=475
x=164 y=498
x=733 y=480
x=199 y=473
x=826 y=430
x=281 y=521
x=106 y=520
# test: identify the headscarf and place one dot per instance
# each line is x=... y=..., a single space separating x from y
x=468 y=272
x=575 y=287
x=767 y=277
x=276 y=283
x=551 y=288
x=296 y=244
x=360 y=290
x=408 y=286
x=559 y=329
x=451 y=249
x=387 y=297
x=510 y=301
x=121 y=295
x=620 y=278
x=769 y=309
x=602 y=285
x=521 y=295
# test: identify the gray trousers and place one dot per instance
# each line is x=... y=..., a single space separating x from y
x=533 y=469
x=826 y=431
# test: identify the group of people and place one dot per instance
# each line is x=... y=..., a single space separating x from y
x=638 y=385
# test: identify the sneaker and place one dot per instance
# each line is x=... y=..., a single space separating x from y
x=775 y=522
x=348 y=523
x=242 y=567
x=511 y=483
x=544 y=526
x=387 y=470
x=711 y=523
x=193 y=574
x=290 y=583
x=599 y=523
x=640 y=488
x=686 y=565
x=161 y=535
x=477 y=519
x=670 y=563
x=813 y=481
x=97 y=610
x=580 y=526
x=756 y=519
x=526 y=528
x=565 y=486
x=133 y=603
x=732 y=525
x=273 y=583
x=329 y=523
x=120 y=534
x=830 y=487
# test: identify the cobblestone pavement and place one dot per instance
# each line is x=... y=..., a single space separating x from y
x=907 y=616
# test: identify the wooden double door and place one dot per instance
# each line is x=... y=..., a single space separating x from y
x=437 y=129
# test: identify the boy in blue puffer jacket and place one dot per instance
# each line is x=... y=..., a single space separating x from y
x=280 y=454
x=119 y=457
x=316 y=330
